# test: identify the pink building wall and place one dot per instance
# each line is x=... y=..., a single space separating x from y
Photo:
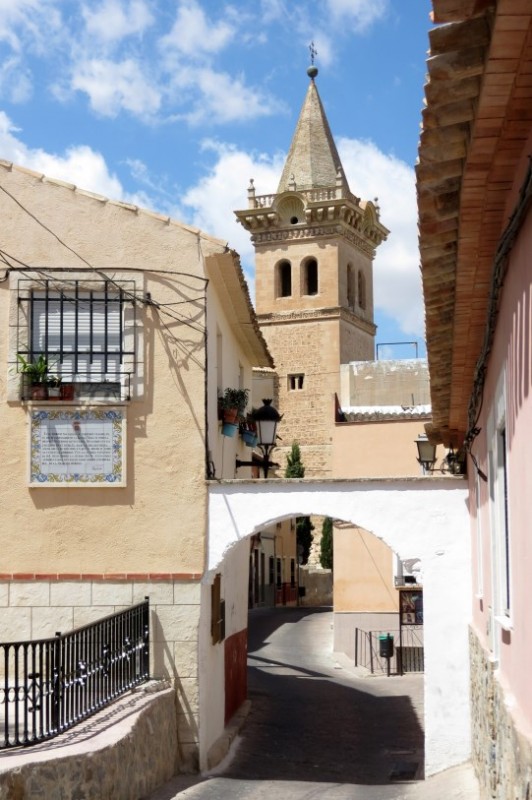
x=510 y=367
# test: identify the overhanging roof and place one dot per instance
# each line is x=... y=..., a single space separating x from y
x=226 y=275
x=478 y=116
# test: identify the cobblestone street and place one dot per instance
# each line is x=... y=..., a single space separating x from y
x=319 y=729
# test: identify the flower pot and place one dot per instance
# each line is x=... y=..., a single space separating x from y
x=249 y=438
x=54 y=393
x=230 y=414
x=229 y=429
x=67 y=391
x=39 y=391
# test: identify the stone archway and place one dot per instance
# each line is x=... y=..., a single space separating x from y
x=424 y=518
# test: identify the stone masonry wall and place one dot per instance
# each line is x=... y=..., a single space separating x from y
x=502 y=756
x=125 y=760
x=36 y=609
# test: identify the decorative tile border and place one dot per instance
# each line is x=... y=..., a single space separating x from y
x=81 y=447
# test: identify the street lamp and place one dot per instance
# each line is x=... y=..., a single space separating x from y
x=267 y=418
x=427 y=458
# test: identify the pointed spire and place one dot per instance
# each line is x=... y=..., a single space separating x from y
x=313 y=161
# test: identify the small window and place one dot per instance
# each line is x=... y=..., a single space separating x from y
x=311 y=277
x=361 y=289
x=279 y=576
x=292 y=572
x=295 y=382
x=271 y=570
x=284 y=279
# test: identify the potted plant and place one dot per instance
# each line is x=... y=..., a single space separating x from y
x=54 y=387
x=34 y=377
x=233 y=403
x=248 y=430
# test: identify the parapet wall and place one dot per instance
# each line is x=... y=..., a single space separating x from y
x=125 y=752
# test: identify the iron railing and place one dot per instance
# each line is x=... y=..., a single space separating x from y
x=408 y=654
x=47 y=686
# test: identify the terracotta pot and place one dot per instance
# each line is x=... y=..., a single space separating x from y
x=39 y=391
x=67 y=391
x=230 y=415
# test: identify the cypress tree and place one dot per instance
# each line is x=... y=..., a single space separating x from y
x=326 y=549
x=304 y=527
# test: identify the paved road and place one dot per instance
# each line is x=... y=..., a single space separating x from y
x=317 y=730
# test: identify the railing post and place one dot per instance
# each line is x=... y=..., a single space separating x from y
x=146 y=636
x=370 y=651
x=57 y=670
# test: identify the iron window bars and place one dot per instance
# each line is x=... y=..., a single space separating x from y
x=85 y=329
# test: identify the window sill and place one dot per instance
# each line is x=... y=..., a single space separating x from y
x=504 y=622
x=102 y=401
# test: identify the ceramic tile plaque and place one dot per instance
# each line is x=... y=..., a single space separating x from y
x=77 y=447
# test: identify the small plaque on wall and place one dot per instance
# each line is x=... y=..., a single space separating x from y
x=77 y=447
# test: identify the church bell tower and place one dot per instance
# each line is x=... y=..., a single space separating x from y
x=314 y=247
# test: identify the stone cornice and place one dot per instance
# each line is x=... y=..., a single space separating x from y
x=315 y=314
x=313 y=232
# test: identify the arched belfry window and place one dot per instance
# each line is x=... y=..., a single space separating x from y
x=284 y=279
x=350 y=286
x=310 y=276
x=361 y=289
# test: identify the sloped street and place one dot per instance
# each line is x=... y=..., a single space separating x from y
x=316 y=729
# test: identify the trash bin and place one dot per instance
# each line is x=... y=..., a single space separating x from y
x=386 y=646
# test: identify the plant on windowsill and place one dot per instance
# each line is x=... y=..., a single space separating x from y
x=233 y=403
x=34 y=377
x=54 y=387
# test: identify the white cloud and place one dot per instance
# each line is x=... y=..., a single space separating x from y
x=361 y=14
x=28 y=20
x=397 y=281
x=79 y=165
x=114 y=20
x=15 y=81
x=113 y=86
x=194 y=35
x=211 y=203
x=225 y=99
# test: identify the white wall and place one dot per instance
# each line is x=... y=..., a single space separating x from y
x=423 y=518
x=234 y=570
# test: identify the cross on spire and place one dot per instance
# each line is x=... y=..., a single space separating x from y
x=313 y=52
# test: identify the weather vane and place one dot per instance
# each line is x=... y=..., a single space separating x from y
x=313 y=52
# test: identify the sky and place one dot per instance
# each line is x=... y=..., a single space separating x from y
x=174 y=105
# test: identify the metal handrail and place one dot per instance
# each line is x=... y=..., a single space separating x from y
x=49 y=685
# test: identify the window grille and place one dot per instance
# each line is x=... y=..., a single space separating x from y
x=85 y=330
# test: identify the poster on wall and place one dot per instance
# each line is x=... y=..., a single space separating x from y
x=77 y=447
x=411 y=606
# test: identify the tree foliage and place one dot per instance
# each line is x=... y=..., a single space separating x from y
x=326 y=549
x=294 y=465
x=304 y=537
x=304 y=527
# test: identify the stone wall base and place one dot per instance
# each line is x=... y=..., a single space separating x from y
x=124 y=752
x=501 y=755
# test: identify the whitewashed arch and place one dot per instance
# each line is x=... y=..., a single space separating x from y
x=423 y=518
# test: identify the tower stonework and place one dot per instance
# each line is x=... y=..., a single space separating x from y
x=314 y=248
